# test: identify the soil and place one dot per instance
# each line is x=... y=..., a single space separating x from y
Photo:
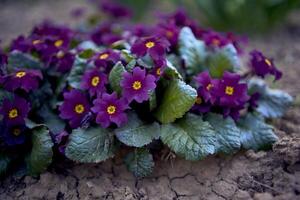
x=262 y=175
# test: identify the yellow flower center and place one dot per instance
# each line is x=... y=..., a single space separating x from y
x=20 y=74
x=60 y=54
x=216 y=42
x=137 y=85
x=158 y=71
x=16 y=132
x=58 y=43
x=79 y=108
x=229 y=90
x=13 y=113
x=198 y=100
x=111 y=109
x=169 y=34
x=150 y=45
x=103 y=56
x=268 y=62
x=209 y=86
x=35 y=42
x=95 y=81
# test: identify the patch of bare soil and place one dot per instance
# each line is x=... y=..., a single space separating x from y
x=274 y=174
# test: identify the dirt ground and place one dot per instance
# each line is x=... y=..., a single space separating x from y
x=274 y=174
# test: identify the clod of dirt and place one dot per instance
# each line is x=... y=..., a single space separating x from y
x=288 y=148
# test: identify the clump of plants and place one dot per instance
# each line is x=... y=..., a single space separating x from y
x=130 y=90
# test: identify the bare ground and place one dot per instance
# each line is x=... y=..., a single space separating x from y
x=247 y=175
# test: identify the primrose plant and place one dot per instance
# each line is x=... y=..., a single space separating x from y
x=127 y=90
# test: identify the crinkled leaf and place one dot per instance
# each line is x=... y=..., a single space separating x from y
x=227 y=133
x=272 y=103
x=190 y=137
x=140 y=162
x=78 y=69
x=115 y=77
x=136 y=133
x=255 y=133
x=4 y=163
x=91 y=145
x=152 y=100
x=17 y=59
x=5 y=95
x=192 y=51
x=131 y=65
x=177 y=99
x=41 y=154
x=224 y=59
x=86 y=54
x=41 y=95
x=171 y=71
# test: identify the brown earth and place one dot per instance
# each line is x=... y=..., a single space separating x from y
x=247 y=175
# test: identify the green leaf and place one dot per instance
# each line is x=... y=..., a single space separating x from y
x=191 y=50
x=78 y=69
x=131 y=65
x=152 y=100
x=255 y=133
x=92 y=145
x=224 y=59
x=4 y=163
x=115 y=77
x=227 y=133
x=17 y=59
x=41 y=154
x=171 y=71
x=190 y=137
x=39 y=96
x=86 y=54
x=272 y=103
x=140 y=162
x=136 y=133
x=5 y=95
x=177 y=99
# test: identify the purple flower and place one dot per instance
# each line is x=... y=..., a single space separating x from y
x=114 y=9
x=21 y=44
x=61 y=140
x=27 y=79
x=104 y=34
x=215 y=39
x=14 y=111
x=94 y=81
x=63 y=61
x=106 y=58
x=158 y=70
x=262 y=65
x=109 y=109
x=170 y=32
x=137 y=85
x=201 y=106
x=230 y=92
x=13 y=135
x=74 y=108
x=237 y=41
x=155 y=47
x=205 y=84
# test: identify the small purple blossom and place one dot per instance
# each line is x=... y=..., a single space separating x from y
x=26 y=79
x=205 y=84
x=230 y=92
x=109 y=109
x=3 y=58
x=74 y=108
x=106 y=59
x=104 y=34
x=94 y=81
x=13 y=135
x=63 y=61
x=263 y=66
x=14 y=112
x=170 y=32
x=253 y=101
x=200 y=105
x=154 y=46
x=21 y=44
x=215 y=39
x=137 y=85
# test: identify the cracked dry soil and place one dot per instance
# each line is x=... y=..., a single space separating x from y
x=274 y=174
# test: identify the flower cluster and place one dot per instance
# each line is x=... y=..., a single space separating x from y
x=124 y=79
